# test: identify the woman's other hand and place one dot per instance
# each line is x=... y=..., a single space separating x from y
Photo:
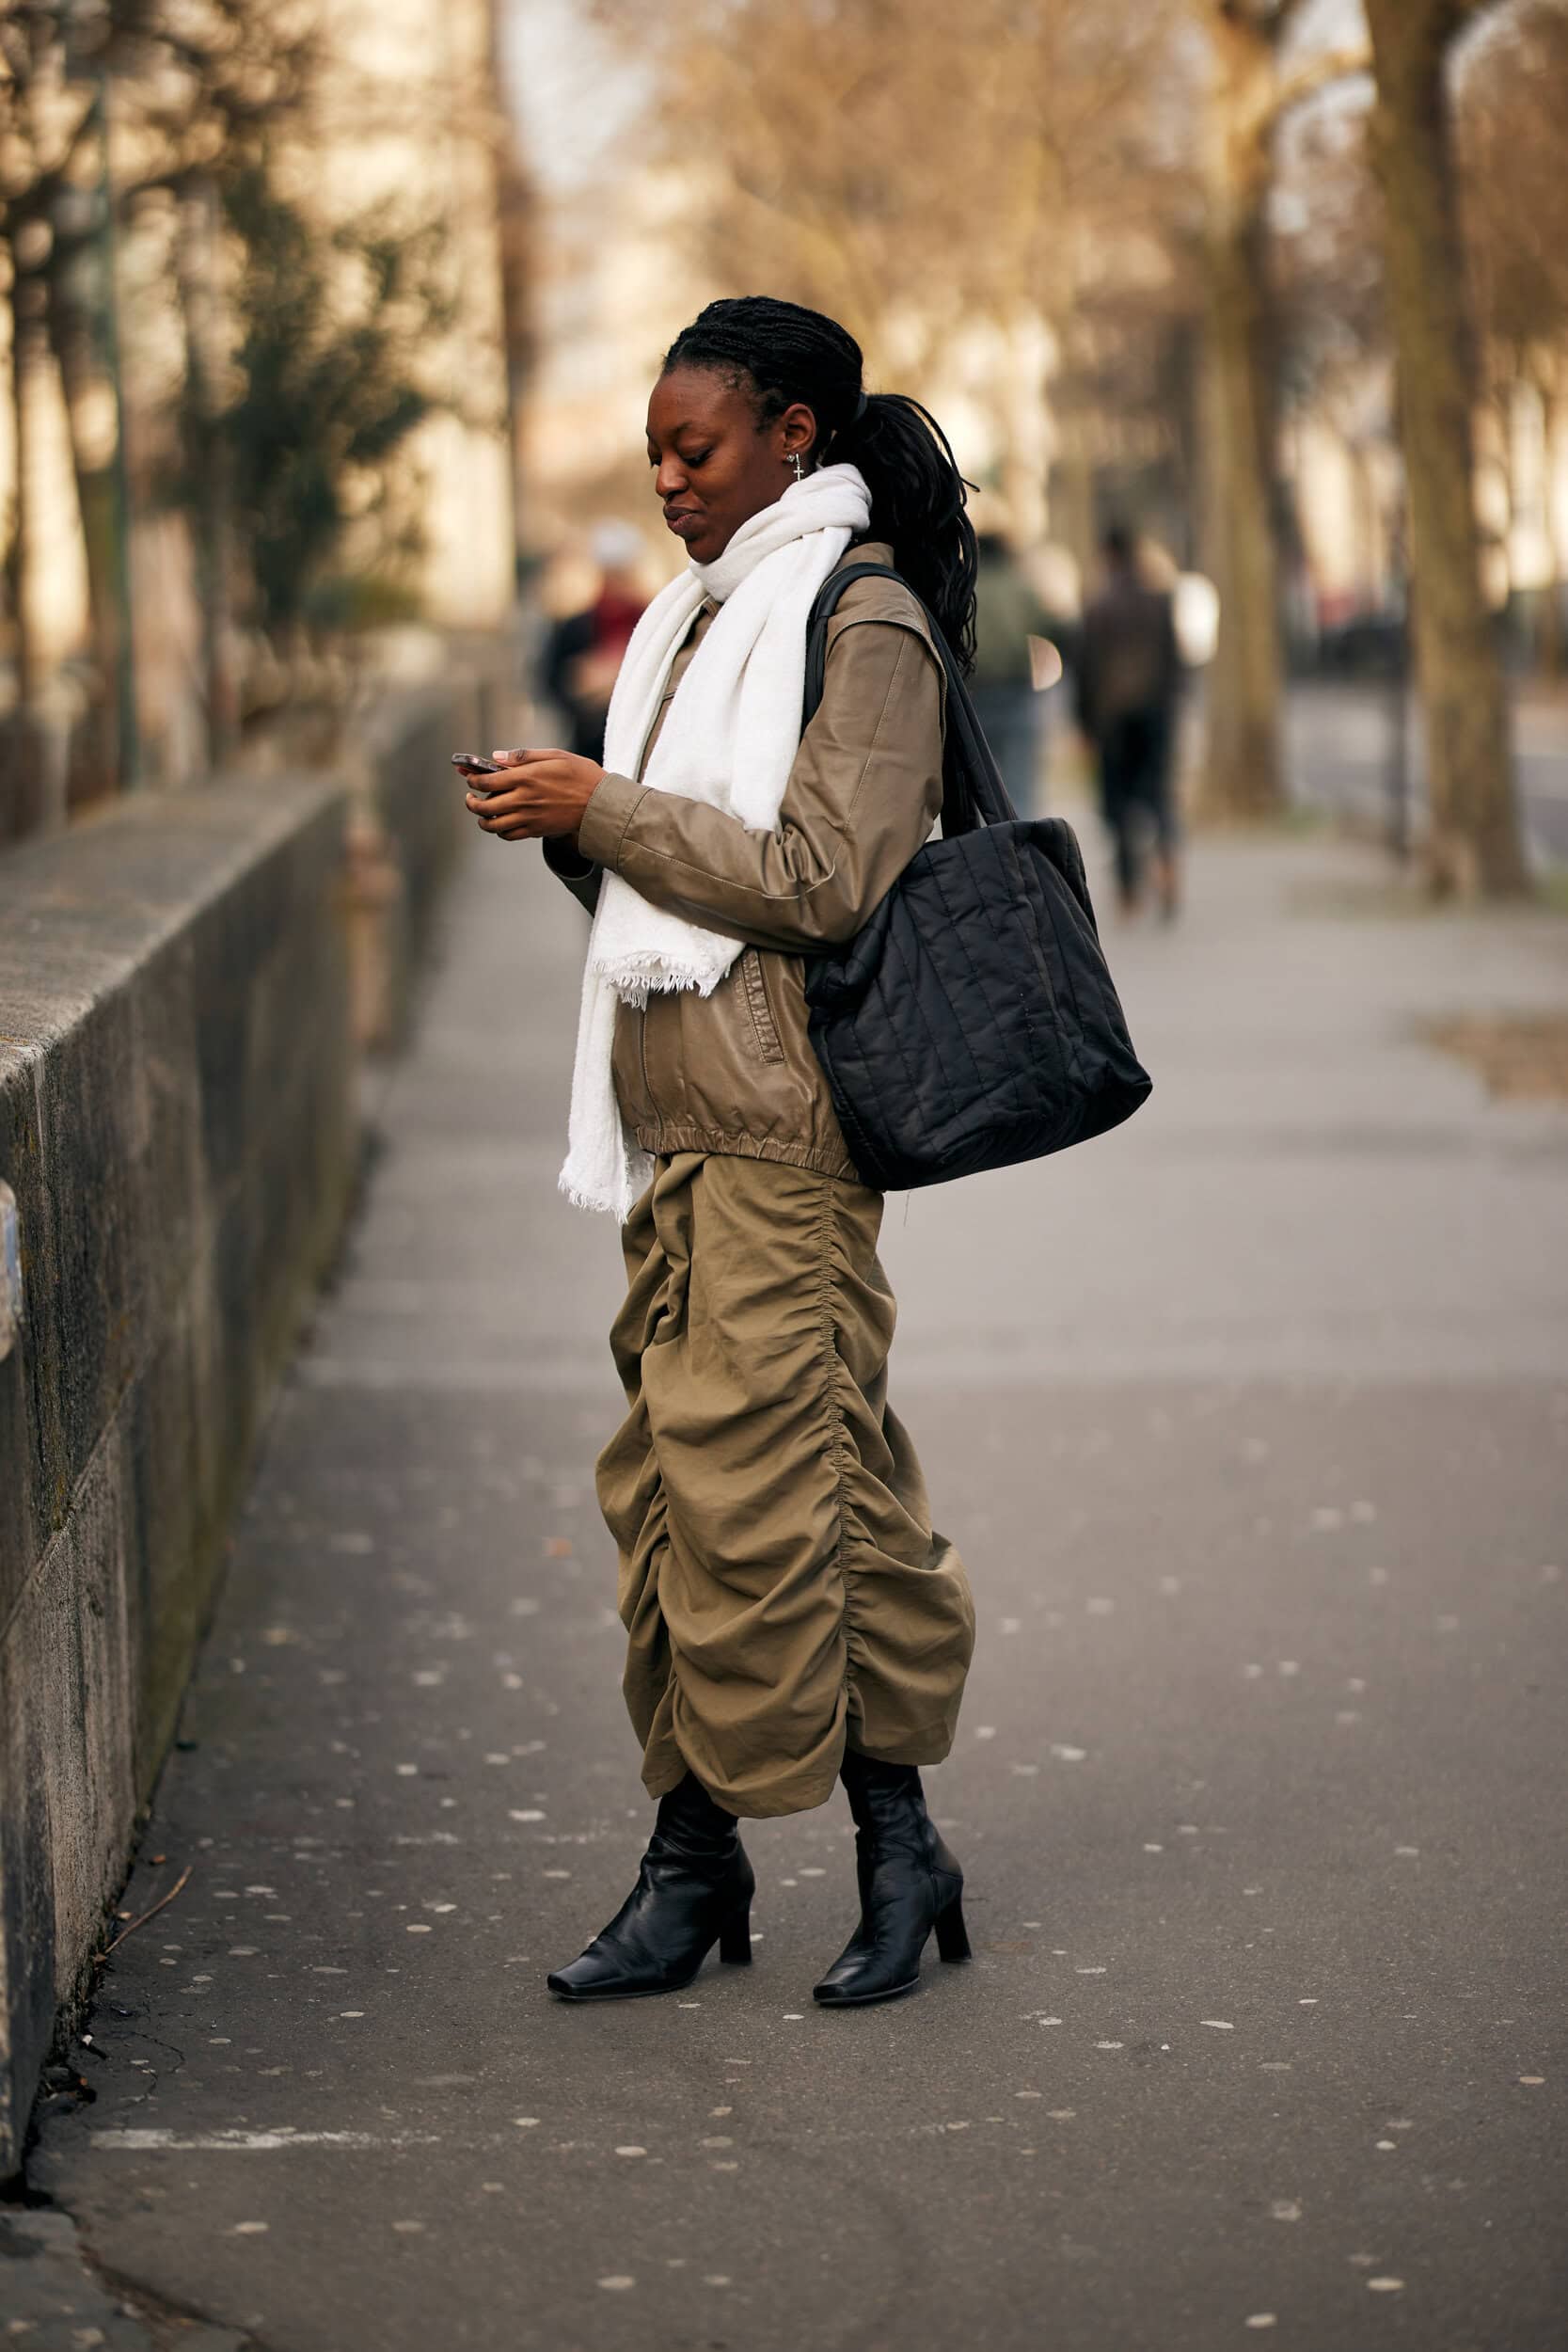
x=536 y=795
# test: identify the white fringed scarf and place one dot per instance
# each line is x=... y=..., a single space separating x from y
x=729 y=739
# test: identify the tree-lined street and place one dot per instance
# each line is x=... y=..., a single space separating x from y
x=1251 y=1420
x=1204 y=363
x=1343 y=756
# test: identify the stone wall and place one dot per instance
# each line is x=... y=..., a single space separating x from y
x=178 y=1126
x=176 y=1123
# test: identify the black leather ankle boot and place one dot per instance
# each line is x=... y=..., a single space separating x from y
x=693 y=1890
x=910 y=1884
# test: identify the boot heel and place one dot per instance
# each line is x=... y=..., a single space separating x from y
x=734 y=1939
x=952 y=1937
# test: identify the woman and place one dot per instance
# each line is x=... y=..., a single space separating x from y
x=793 y=1617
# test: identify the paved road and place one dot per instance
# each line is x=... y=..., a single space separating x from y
x=1341 y=748
x=1253 y=1421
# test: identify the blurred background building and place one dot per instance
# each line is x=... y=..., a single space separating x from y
x=266 y=329
x=324 y=324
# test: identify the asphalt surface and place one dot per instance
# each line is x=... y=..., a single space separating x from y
x=1343 y=754
x=1253 y=1423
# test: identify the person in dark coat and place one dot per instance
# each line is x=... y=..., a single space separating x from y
x=1128 y=679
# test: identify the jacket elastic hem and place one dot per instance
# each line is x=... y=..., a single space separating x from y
x=664 y=1140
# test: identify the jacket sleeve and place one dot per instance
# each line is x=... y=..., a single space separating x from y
x=863 y=795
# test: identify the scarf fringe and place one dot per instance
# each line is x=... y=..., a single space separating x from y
x=584 y=1194
x=633 y=984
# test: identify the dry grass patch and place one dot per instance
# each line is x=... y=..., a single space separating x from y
x=1521 y=1057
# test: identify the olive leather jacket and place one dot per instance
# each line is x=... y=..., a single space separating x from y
x=736 y=1072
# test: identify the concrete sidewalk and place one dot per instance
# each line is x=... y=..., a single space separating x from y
x=1252 y=1420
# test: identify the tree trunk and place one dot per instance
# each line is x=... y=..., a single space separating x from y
x=1554 y=448
x=1070 y=503
x=1243 y=765
x=516 y=227
x=36 y=785
x=210 y=514
x=29 y=350
x=1244 y=769
x=1473 y=842
x=517 y=238
x=71 y=338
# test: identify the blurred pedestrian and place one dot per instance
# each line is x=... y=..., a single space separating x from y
x=1128 y=680
x=584 y=652
x=793 y=1616
x=1010 y=622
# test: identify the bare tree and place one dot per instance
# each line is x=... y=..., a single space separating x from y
x=1255 y=79
x=516 y=223
x=1473 y=844
x=196 y=83
x=210 y=96
x=45 y=129
x=1512 y=100
x=1075 y=189
x=911 y=168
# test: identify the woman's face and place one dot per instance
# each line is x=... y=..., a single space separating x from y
x=715 y=466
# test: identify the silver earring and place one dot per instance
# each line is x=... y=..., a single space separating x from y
x=795 y=461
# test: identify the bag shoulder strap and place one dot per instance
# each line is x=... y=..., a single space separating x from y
x=972 y=790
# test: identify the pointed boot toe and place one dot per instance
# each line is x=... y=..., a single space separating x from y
x=596 y=1975
x=858 y=1976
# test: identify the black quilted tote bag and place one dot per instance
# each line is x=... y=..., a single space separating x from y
x=971 y=1021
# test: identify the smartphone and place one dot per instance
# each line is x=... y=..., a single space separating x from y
x=473 y=765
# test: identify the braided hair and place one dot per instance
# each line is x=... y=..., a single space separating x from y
x=783 y=354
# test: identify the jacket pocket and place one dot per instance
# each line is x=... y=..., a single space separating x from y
x=754 y=983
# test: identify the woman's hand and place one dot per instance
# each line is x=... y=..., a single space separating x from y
x=535 y=795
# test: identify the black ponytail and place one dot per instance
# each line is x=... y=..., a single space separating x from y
x=918 y=502
x=787 y=354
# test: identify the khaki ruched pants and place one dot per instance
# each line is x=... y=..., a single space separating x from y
x=779 y=1582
